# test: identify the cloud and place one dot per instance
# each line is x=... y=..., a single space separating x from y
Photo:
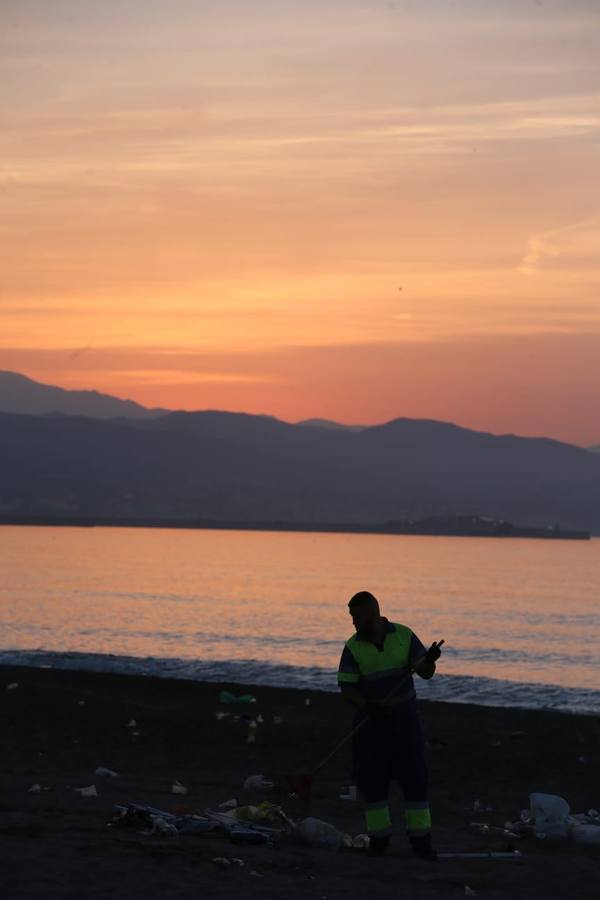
x=548 y=244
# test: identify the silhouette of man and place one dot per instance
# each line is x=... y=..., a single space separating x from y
x=375 y=676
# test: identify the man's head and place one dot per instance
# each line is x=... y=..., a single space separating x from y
x=364 y=610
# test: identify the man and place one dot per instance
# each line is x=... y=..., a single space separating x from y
x=375 y=677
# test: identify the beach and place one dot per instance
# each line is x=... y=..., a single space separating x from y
x=59 y=726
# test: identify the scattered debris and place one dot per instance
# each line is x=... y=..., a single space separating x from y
x=507 y=831
x=228 y=804
x=277 y=720
x=469 y=892
x=252 y=729
x=350 y=794
x=221 y=715
x=360 y=842
x=228 y=697
x=258 y=783
x=89 y=791
x=178 y=788
x=221 y=861
x=106 y=773
x=34 y=789
x=259 y=719
x=550 y=814
x=515 y=735
x=317 y=833
x=256 y=874
x=12 y=686
x=264 y=814
x=160 y=826
x=131 y=724
x=81 y=703
x=307 y=701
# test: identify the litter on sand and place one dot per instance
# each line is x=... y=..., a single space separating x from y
x=228 y=697
x=178 y=788
x=360 y=842
x=548 y=816
x=12 y=686
x=351 y=793
x=160 y=826
x=258 y=783
x=89 y=791
x=317 y=833
x=106 y=773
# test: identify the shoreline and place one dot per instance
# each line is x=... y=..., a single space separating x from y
x=452 y=689
x=60 y=725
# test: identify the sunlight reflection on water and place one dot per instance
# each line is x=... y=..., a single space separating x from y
x=518 y=610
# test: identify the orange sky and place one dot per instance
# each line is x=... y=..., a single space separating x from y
x=345 y=209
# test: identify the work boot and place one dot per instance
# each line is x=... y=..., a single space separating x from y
x=423 y=848
x=378 y=845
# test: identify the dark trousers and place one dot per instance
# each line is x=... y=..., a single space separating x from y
x=392 y=749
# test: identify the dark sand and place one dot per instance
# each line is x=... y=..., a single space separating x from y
x=57 y=844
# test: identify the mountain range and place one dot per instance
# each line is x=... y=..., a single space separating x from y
x=230 y=467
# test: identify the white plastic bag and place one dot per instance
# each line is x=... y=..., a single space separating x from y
x=89 y=791
x=257 y=783
x=551 y=814
x=317 y=833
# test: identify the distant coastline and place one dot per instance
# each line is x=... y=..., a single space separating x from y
x=435 y=526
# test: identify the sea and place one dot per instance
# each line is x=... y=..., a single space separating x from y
x=520 y=617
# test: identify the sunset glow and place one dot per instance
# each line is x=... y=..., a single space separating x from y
x=352 y=210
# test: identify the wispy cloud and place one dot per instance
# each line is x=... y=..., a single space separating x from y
x=548 y=244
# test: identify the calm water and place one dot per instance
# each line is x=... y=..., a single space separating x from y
x=521 y=618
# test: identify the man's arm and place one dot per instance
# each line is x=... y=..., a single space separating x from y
x=426 y=668
x=424 y=660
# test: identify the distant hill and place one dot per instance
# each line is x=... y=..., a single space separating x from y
x=19 y=394
x=332 y=426
x=235 y=467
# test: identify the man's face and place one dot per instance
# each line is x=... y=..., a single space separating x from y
x=364 y=619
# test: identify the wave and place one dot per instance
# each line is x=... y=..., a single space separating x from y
x=446 y=688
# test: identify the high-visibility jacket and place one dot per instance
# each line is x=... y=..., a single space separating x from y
x=376 y=670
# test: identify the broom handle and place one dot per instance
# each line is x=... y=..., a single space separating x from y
x=362 y=722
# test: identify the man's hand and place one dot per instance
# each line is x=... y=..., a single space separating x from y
x=426 y=666
x=434 y=652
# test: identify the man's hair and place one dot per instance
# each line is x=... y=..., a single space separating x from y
x=363 y=598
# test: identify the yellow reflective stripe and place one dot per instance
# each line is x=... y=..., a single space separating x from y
x=378 y=820
x=418 y=819
x=347 y=677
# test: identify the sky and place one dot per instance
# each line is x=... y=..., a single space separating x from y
x=307 y=208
